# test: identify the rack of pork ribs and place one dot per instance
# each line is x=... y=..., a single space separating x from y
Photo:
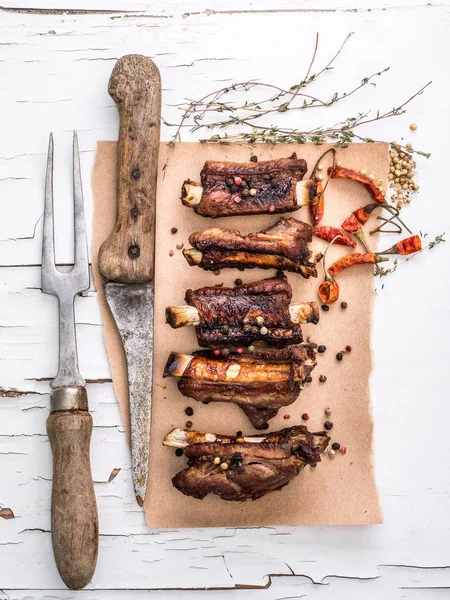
x=243 y=468
x=254 y=353
x=260 y=381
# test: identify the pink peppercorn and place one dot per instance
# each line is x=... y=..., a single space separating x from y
x=171 y=253
x=286 y=417
x=217 y=352
x=305 y=416
x=348 y=348
x=237 y=181
x=343 y=449
x=240 y=350
x=271 y=208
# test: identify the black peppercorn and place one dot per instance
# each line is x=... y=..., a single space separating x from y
x=238 y=433
x=344 y=305
x=225 y=352
x=238 y=282
x=321 y=349
x=207 y=401
x=253 y=158
x=339 y=356
x=247 y=328
x=189 y=411
x=308 y=379
x=325 y=307
x=188 y=424
x=266 y=426
x=179 y=452
x=234 y=188
x=229 y=182
x=315 y=320
x=245 y=192
x=244 y=184
x=336 y=446
x=225 y=329
x=328 y=425
x=173 y=230
x=322 y=378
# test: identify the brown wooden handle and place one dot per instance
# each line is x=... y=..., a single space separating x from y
x=127 y=256
x=74 y=510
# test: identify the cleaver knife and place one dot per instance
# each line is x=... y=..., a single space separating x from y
x=126 y=258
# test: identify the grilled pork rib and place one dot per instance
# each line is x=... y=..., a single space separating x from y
x=229 y=188
x=243 y=468
x=254 y=312
x=260 y=383
x=283 y=246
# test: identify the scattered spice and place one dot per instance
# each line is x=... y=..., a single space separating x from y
x=336 y=446
x=263 y=331
x=216 y=460
x=402 y=175
x=225 y=329
x=189 y=411
x=413 y=126
x=344 y=305
x=305 y=417
x=188 y=424
x=171 y=253
x=308 y=379
x=217 y=272
x=251 y=348
x=286 y=417
x=328 y=425
x=321 y=349
x=225 y=352
x=325 y=307
x=339 y=356
x=252 y=192
x=237 y=181
x=180 y=245
x=331 y=453
x=224 y=466
x=240 y=350
x=348 y=348
x=327 y=411
x=216 y=352
x=259 y=320
x=322 y=378
x=253 y=158
x=343 y=450
x=179 y=452
x=173 y=230
x=238 y=282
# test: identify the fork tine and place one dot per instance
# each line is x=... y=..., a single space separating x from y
x=81 y=251
x=48 y=243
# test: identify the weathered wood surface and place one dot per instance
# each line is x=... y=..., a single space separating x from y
x=54 y=69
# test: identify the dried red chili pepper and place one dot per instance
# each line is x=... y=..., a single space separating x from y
x=328 y=233
x=343 y=173
x=351 y=224
x=317 y=206
x=354 y=259
x=363 y=213
x=406 y=246
x=328 y=291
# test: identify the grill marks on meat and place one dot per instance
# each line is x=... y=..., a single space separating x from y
x=283 y=246
x=228 y=315
x=259 y=383
x=274 y=181
x=257 y=465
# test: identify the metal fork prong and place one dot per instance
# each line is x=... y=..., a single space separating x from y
x=81 y=265
x=49 y=271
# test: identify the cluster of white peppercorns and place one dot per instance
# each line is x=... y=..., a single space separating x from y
x=402 y=172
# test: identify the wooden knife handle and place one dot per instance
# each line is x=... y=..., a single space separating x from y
x=74 y=510
x=127 y=256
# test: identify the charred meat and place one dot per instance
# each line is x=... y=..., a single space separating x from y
x=243 y=468
x=283 y=246
x=239 y=316
x=229 y=188
x=260 y=383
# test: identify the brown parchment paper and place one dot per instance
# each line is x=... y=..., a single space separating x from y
x=340 y=490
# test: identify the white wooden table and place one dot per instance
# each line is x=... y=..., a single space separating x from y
x=55 y=61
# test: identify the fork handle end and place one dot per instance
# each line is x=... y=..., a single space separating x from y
x=74 y=511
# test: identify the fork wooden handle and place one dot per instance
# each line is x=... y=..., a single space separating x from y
x=74 y=510
x=127 y=256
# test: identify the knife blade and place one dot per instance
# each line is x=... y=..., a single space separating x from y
x=126 y=258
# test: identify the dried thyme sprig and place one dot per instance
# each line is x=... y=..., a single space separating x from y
x=280 y=100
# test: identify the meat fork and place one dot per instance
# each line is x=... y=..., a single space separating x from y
x=74 y=520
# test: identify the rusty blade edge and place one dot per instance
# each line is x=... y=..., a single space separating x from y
x=132 y=306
